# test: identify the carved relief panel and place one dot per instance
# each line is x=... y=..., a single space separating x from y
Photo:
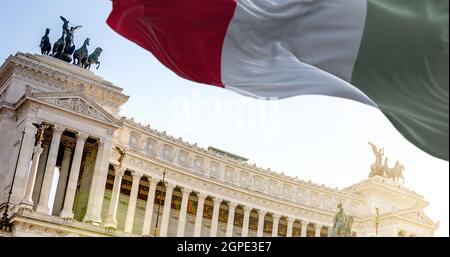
x=259 y=183
x=300 y=195
x=230 y=175
x=183 y=158
x=287 y=191
x=134 y=141
x=314 y=198
x=166 y=153
x=327 y=201
x=214 y=169
x=273 y=187
x=244 y=178
x=150 y=146
x=199 y=163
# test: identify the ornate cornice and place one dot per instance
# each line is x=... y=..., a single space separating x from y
x=384 y=186
x=46 y=69
x=279 y=176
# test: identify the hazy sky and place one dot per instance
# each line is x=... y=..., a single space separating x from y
x=316 y=138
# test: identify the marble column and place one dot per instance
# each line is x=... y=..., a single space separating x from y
x=317 y=227
x=111 y=219
x=67 y=212
x=260 y=231
x=230 y=220
x=23 y=164
x=40 y=171
x=82 y=199
x=290 y=226
x=97 y=191
x=246 y=221
x=27 y=201
x=132 y=202
x=43 y=207
x=62 y=180
x=304 y=228
x=183 y=209
x=166 y=210
x=199 y=214
x=275 y=222
x=215 y=217
x=146 y=229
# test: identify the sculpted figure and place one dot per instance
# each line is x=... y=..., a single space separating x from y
x=80 y=55
x=342 y=223
x=45 y=43
x=122 y=153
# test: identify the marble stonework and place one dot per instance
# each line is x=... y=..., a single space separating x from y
x=95 y=191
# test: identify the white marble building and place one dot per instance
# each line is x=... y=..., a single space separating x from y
x=211 y=192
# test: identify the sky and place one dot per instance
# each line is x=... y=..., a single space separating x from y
x=317 y=138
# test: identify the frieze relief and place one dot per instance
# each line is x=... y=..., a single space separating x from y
x=167 y=152
x=183 y=158
x=199 y=163
x=38 y=80
x=150 y=146
x=134 y=140
x=273 y=187
x=259 y=183
x=244 y=179
x=214 y=169
x=418 y=217
x=43 y=231
x=77 y=105
x=230 y=175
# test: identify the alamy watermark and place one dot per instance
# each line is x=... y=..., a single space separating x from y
x=228 y=115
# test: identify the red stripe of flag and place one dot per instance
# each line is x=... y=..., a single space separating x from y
x=185 y=35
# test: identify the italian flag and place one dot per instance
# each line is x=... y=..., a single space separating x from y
x=390 y=54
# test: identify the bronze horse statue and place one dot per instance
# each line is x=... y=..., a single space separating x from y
x=396 y=172
x=80 y=56
x=45 y=45
x=93 y=59
x=59 y=46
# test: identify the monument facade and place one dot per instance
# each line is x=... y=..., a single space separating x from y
x=117 y=177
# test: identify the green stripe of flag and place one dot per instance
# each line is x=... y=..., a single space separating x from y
x=402 y=65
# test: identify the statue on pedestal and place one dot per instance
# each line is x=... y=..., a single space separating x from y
x=342 y=223
x=377 y=167
x=64 y=47
x=122 y=153
x=383 y=170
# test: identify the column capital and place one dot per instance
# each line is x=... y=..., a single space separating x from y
x=136 y=174
x=152 y=180
x=119 y=171
x=170 y=186
x=29 y=127
x=318 y=225
x=276 y=216
x=58 y=129
x=291 y=219
x=262 y=212
x=68 y=145
x=38 y=150
x=248 y=208
x=218 y=199
x=185 y=190
x=81 y=136
x=304 y=223
x=232 y=204
x=202 y=195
